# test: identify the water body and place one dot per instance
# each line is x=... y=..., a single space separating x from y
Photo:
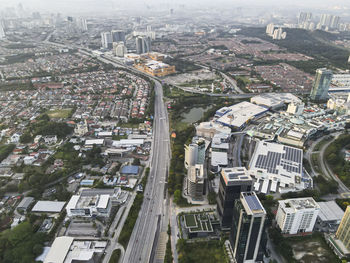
x=195 y=114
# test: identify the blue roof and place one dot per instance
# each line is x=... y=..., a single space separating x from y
x=87 y=182
x=130 y=169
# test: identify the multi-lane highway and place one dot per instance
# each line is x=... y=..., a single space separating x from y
x=147 y=227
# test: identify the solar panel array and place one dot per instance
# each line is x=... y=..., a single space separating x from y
x=290 y=160
x=253 y=202
x=269 y=162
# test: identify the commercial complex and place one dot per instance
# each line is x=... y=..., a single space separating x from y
x=209 y=129
x=278 y=168
x=48 y=207
x=248 y=237
x=233 y=181
x=298 y=215
x=237 y=116
x=274 y=100
x=321 y=84
x=156 y=68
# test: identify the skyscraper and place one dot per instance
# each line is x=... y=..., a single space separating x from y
x=143 y=44
x=106 y=40
x=119 y=49
x=2 y=32
x=321 y=84
x=81 y=24
x=118 y=36
x=233 y=181
x=343 y=232
x=304 y=17
x=269 y=29
x=248 y=237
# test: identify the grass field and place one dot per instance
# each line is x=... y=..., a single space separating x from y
x=204 y=252
x=190 y=221
x=59 y=113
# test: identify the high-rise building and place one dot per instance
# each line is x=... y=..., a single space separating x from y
x=270 y=29
x=191 y=155
x=143 y=44
x=278 y=34
x=304 y=17
x=343 y=232
x=82 y=24
x=248 y=236
x=118 y=36
x=2 y=32
x=233 y=181
x=297 y=215
x=106 y=39
x=335 y=22
x=195 y=182
x=119 y=49
x=321 y=84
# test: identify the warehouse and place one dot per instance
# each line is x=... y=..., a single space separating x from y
x=48 y=207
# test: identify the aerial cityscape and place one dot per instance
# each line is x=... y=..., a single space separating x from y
x=174 y=131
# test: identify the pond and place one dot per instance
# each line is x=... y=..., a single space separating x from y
x=194 y=114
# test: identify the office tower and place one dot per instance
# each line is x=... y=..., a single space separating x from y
x=143 y=44
x=149 y=28
x=248 y=236
x=119 y=49
x=343 y=232
x=269 y=29
x=195 y=182
x=321 y=84
x=233 y=181
x=118 y=36
x=106 y=39
x=297 y=215
x=191 y=155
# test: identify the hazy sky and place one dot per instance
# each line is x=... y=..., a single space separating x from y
x=76 y=5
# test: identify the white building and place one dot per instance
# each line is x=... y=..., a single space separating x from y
x=278 y=168
x=191 y=155
x=106 y=39
x=238 y=115
x=48 y=207
x=88 y=206
x=298 y=215
x=66 y=249
x=295 y=108
x=81 y=128
x=195 y=181
x=119 y=49
x=2 y=32
x=274 y=100
x=270 y=29
x=209 y=129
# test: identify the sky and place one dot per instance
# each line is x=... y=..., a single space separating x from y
x=76 y=5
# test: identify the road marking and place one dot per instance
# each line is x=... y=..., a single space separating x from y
x=161 y=247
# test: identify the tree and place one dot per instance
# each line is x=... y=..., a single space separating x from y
x=177 y=196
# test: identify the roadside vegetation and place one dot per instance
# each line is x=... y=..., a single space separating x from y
x=115 y=256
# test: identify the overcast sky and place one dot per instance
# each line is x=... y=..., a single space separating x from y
x=76 y=5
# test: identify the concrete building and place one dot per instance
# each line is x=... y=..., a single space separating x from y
x=277 y=167
x=329 y=217
x=321 y=84
x=195 y=182
x=274 y=100
x=48 y=207
x=2 y=32
x=191 y=155
x=238 y=116
x=118 y=36
x=297 y=216
x=209 y=129
x=24 y=204
x=88 y=206
x=66 y=249
x=248 y=236
x=143 y=44
x=233 y=181
x=269 y=29
x=119 y=49
x=106 y=40
x=278 y=34
x=155 y=68
x=295 y=108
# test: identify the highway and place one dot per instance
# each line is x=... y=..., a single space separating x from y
x=149 y=222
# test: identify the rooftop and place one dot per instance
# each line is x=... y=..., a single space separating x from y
x=252 y=203
x=293 y=205
x=330 y=211
x=231 y=175
x=48 y=206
